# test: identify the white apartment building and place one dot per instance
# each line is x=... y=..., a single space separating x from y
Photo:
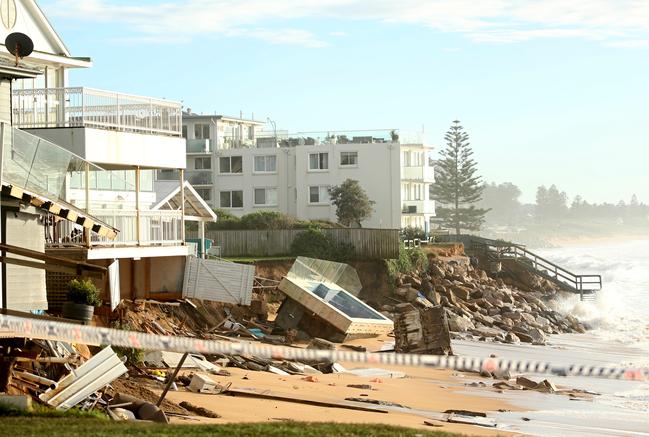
x=291 y=173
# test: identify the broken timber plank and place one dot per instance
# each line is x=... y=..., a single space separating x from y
x=270 y=395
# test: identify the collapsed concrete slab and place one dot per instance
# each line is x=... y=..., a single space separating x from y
x=318 y=289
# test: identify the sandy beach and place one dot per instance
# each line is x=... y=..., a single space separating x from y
x=423 y=390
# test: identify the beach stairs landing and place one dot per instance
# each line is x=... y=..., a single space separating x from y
x=586 y=286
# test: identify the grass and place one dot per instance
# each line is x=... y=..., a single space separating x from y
x=67 y=426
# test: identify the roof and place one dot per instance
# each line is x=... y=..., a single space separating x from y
x=61 y=209
x=196 y=209
x=9 y=69
x=222 y=117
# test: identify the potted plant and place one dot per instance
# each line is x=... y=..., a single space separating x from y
x=83 y=297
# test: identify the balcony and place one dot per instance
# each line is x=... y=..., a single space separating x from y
x=199 y=177
x=199 y=146
x=418 y=207
x=104 y=127
x=422 y=173
x=156 y=228
x=88 y=107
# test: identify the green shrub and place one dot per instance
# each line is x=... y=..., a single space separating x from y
x=314 y=243
x=267 y=220
x=84 y=292
x=412 y=232
x=409 y=260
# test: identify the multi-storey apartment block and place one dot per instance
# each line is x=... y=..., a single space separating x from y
x=270 y=170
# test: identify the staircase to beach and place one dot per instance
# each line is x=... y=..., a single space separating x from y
x=586 y=286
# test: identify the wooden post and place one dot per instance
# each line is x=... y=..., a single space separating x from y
x=137 y=205
x=172 y=379
x=182 y=205
x=86 y=231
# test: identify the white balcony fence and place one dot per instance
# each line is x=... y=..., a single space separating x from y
x=88 y=107
x=157 y=228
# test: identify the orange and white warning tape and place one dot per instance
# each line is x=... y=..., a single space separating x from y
x=67 y=332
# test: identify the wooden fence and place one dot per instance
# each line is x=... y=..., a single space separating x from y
x=367 y=243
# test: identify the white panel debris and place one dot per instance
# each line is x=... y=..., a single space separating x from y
x=218 y=281
x=93 y=375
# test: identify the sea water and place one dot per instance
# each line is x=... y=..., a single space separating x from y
x=619 y=336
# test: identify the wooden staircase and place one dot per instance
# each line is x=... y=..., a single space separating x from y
x=497 y=250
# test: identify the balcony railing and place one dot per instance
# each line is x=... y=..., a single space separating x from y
x=157 y=228
x=87 y=107
x=199 y=146
x=421 y=173
x=199 y=177
x=416 y=207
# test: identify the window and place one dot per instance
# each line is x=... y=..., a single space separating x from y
x=319 y=194
x=203 y=163
x=201 y=131
x=184 y=131
x=318 y=161
x=205 y=193
x=348 y=159
x=265 y=164
x=231 y=164
x=266 y=196
x=413 y=159
x=231 y=199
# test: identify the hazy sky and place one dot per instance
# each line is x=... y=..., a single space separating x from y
x=551 y=91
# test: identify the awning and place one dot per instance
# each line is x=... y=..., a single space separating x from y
x=196 y=209
x=61 y=209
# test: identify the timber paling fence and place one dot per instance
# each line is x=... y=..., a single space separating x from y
x=367 y=243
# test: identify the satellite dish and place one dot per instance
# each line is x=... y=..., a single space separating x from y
x=20 y=45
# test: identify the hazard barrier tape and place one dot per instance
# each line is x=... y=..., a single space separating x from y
x=59 y=331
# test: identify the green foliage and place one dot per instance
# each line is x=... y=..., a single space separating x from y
x=263 y=220
x=457 y=186
x=134 y=357
x=84 y=292
x=48 y=412
x=267 y=220
x=409 y=260
x=352 y=204
x=412 y=232
x=502 y=202
x=313 y=243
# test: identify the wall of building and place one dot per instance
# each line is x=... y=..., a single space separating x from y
x=26 y=289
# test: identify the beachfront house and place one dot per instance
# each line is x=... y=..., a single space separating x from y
x=120 y=141
x=241 y=168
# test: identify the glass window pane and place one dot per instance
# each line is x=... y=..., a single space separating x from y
x=224 y=165
x=237 y=199
x=103 y=180
x=271 y=196
x=225 y=199
x=237 y=164
x=313 y=161
x=324 y=195
x=260 y=196
x=146 y=180
x=324 y=161
x=271 y=163
x=259 y=163
x=76 y=179
x=118 y=180
x=314 y=194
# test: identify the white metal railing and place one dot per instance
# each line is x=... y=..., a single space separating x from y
x=157 y=228
x=88 y=107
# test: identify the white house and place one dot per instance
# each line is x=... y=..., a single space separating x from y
x=119 y=141
x=291 y=173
